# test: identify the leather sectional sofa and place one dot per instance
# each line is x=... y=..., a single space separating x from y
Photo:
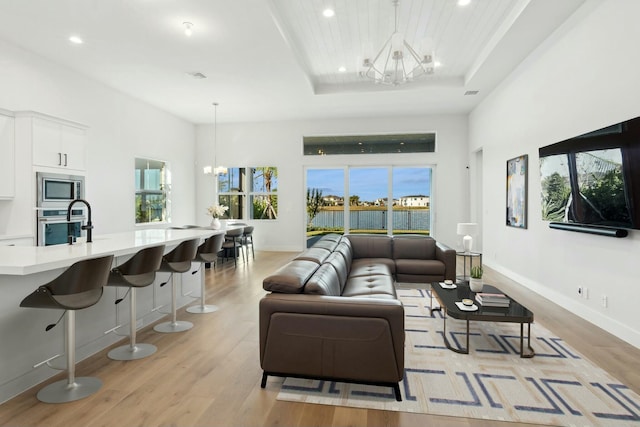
x=332 y=312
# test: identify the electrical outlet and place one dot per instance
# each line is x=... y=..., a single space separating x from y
x=605 y=301
x=580 y=290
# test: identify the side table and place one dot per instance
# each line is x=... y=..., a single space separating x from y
x=469 y=256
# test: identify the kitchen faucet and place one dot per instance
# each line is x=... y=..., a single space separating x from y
x=88 y=226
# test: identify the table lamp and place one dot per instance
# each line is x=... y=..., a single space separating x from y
x=466 y=229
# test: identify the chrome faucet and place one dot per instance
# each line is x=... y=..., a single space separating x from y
x=88 y=226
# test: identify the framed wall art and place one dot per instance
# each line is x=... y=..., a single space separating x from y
x=517 y=172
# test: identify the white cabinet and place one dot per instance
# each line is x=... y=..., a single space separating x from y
x=7 y=155
x=16 y=241
x=58 y=145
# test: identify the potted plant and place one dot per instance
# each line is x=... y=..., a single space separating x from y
x=475 y=282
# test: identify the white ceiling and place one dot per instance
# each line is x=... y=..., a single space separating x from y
x=278 y=59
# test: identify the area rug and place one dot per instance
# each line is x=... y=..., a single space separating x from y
x=557 y=387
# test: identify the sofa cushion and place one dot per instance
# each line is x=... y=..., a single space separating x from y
x=317 y=255
x=371 y=246
x=327 y=244
x=291 y=277
x=333 y=237
x=368 y=266
x=344 y=249
x=377 y=286
x=414 y=247
x=324 y=281
x=339 y=264
x=425 y=267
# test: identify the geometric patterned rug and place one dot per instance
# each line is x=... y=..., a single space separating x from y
x=556 y=387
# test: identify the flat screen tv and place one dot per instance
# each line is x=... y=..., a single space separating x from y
x=594 y=179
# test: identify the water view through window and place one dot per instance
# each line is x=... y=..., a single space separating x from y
x=371 y=200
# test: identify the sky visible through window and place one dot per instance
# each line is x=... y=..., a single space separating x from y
x=371 y=183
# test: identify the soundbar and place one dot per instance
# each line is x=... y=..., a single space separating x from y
x=591 y=229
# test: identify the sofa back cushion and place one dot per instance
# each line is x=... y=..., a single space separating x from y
x=340 y=265
x=291 y=277
x=344 y=249
x=414 y=247
x=326 y=243
x=317 y=255
x=371 y=246
x=324 y=281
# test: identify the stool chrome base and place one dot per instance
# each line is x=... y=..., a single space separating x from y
x=201 y=309
x=169 y=327
x=61 y=391
x=126 y=352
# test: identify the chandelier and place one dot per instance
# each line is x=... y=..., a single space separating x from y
x=397 y=62
x=215 y=170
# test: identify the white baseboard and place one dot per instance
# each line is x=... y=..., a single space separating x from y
x=614 y=327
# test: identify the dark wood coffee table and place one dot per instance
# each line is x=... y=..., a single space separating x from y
x=515 y=313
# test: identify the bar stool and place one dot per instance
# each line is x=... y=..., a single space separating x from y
x=139 y=271
x=79 y=286
x=207 y=253
x=177 y=261
x=233 y=242
x=247 y=239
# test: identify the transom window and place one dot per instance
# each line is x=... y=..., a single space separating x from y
x=369 y=144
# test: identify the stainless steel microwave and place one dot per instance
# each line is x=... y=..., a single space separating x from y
x=56 y=190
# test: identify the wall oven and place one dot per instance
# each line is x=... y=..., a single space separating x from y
x=54 y=229
x=58 y=190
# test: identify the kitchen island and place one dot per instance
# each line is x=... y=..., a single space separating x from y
x=25 y=343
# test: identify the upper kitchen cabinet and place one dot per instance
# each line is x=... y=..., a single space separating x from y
x=59 y=144
x=7 y=157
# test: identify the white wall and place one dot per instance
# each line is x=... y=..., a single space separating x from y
x=584 y=78
x=120 y=128
x=280 y=144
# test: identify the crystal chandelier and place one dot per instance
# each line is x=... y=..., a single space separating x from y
x=397 y=62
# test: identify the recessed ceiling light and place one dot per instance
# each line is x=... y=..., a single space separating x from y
x=342 y=69
x=437 y=64
x=328 y=13
x=463 y=2
x=188 y=28
x=75 y=40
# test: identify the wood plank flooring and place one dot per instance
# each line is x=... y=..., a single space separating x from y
x=210 y=375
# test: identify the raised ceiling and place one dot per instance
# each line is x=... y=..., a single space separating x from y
x=279 y=59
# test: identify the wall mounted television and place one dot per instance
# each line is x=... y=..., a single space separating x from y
x=593 y=179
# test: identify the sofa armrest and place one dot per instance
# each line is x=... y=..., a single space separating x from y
x=448 y=256
x=315 y=318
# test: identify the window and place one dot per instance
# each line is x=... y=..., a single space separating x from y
x=372 y=204
x=263 y=197
x=250 y=192
x=369 y=144
x=152 y=183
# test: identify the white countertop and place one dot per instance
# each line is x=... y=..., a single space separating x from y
x=24 y=260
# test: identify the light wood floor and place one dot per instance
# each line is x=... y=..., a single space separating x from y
x=210 y=375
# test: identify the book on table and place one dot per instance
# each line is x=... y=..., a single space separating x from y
x=492 y=299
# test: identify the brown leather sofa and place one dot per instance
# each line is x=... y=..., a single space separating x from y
x=332 y=312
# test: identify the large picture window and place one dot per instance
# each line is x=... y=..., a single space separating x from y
x=250 y=192
x=153 y=185
x=370 y=200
